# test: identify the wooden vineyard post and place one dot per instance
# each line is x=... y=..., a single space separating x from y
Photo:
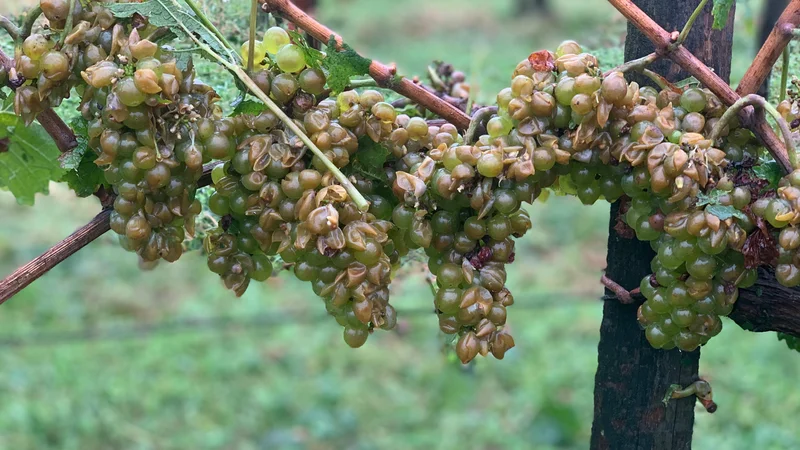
x=632 y=377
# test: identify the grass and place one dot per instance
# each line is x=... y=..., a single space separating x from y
x=82 y=370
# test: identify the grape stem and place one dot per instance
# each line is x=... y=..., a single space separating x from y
x=27 y=25
x=68 y=25
x=688 y=27
x=701 y=388
x=354 y=194
x=784 y=73
x=365 y=82
x=478 y=117
x=623 y=295
x=10 y=27
x=198 y=12
x=385 y=76
x=251 y=49
x=436 y=81
x=756 y=100
x=660 y=81
x=635 y=64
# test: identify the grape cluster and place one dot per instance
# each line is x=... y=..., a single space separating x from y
x=561 y=125
x=47 y=68
x=283 y=201
x=153 y=126
x=598 y=136
x=783 y=213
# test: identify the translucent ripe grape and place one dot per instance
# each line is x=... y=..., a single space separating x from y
x=259 y=55
x=55 y=65
x=274 y=39
x=490 y=165
x=417 y=128
x=499 y=126
x=290 y=58
x=565 y=90
x=35 y=46
x=385 y=112
x=55 y=10
x=568 y=48
x=693 y=100
x=614 y=88
x=128 y=93
x=312 y=81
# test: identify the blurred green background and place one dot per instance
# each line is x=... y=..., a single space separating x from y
x=98 y=355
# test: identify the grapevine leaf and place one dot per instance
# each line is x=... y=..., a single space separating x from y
x=72 y=159
x=712 y=198
x=372 y=155
x=168 y=13
x=312 y=55
x=712 y=202
x=86 y=177
x=250 y=107
x=770 y=171
x=725 y=212
x=82 y=175
x=793 y=342
x=369 y=159
x=343 y=65
x=31 y=160
x=720 y=12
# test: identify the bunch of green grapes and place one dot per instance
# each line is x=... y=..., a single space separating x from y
x=283 y=201
x=600 y=137
x=47 y=67
x=783 y=213
x=152 y=126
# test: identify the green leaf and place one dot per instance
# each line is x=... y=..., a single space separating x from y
x=72 y=159
x=31 y=160
x=169 y=13
x=770 y=171
x=82 y=175
x=250 y=107
x=312 y=55
x=86 y=177
x=343 y=65
x=720 y=12
x=712 y=198
x=369 y=159
x=793 y=342
x=725 y=212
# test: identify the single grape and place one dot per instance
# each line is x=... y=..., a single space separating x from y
x=275 y=38
x=290 y=58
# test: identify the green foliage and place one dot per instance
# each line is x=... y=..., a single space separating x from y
x=30 y=161
x=369 y=160
x=343 y=65
x=81 y=174
x=793 y=342
x=713 y=206
x=252 y=107
x=312 y=55
x=770 y=171
x=720 y=12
